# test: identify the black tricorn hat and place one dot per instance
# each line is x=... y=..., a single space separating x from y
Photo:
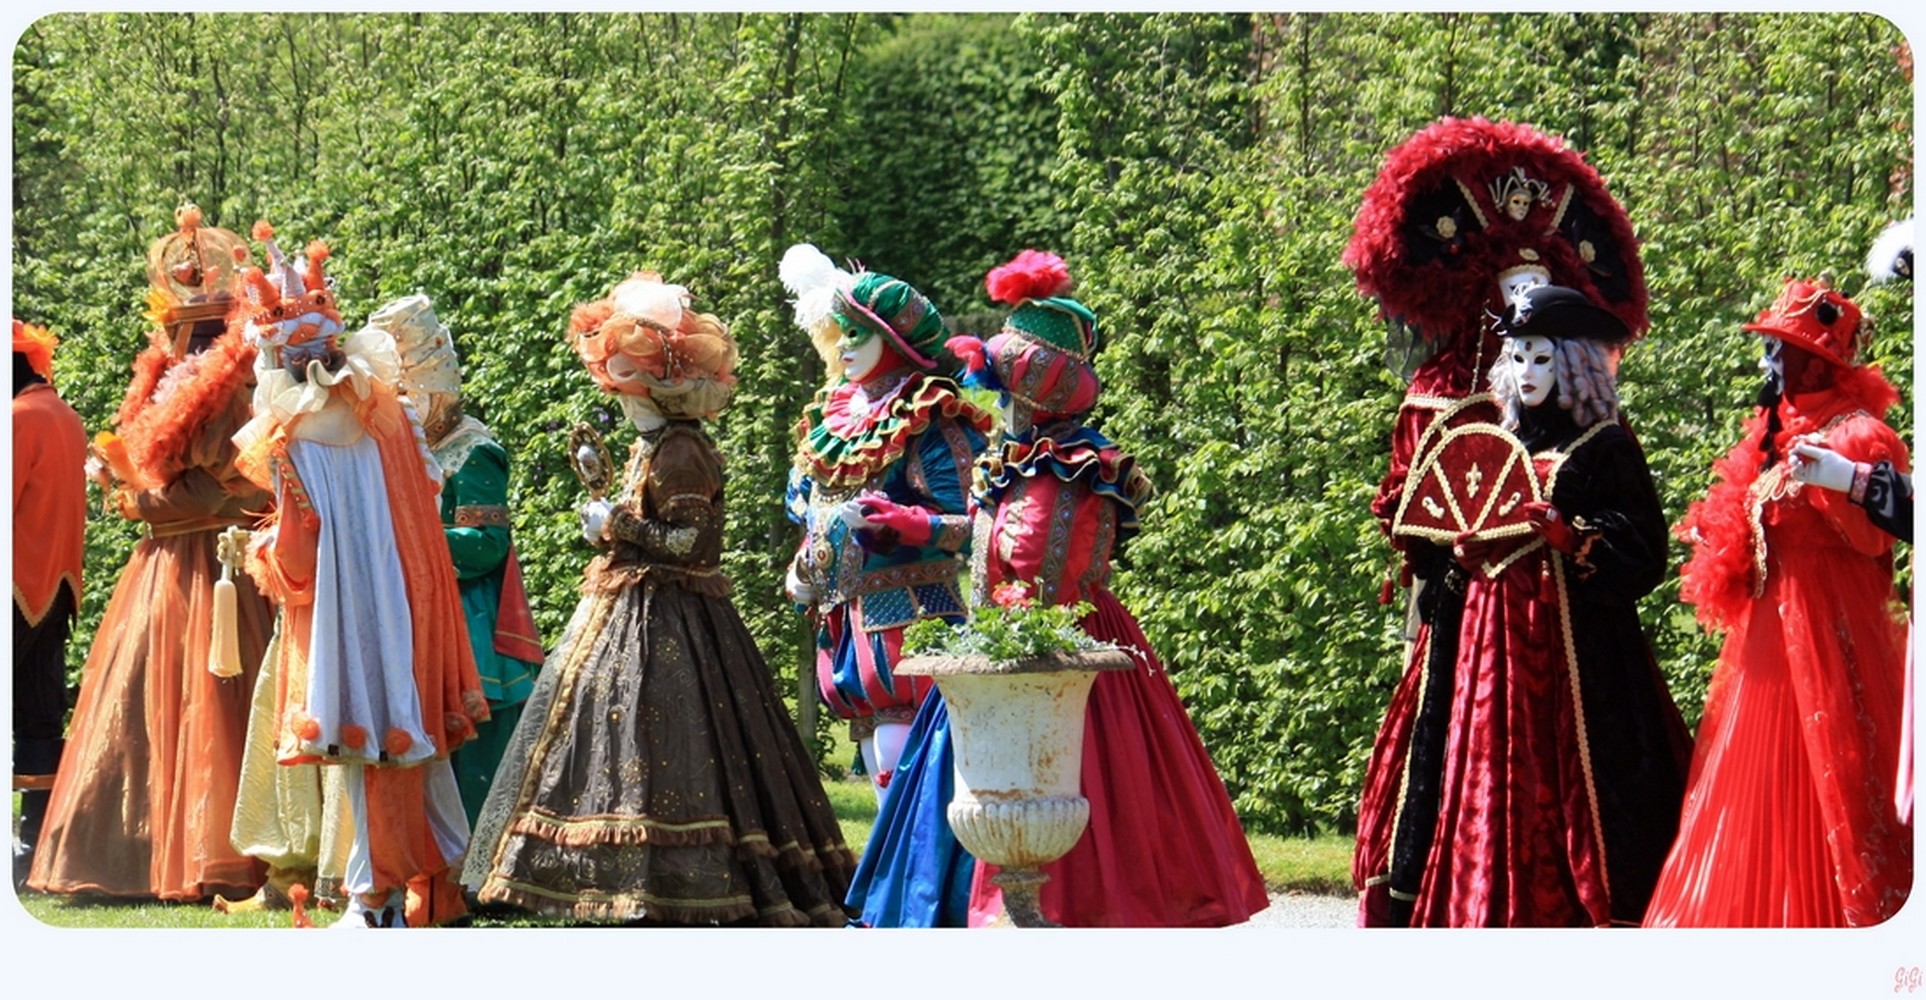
x=1562 y=313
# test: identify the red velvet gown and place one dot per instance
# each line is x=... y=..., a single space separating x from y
x=1164 y=847
x=1790 y=819
x=1531 y=762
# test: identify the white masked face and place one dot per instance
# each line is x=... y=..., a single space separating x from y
x=860 y=357
x=1531 y=365
x=1773 y=363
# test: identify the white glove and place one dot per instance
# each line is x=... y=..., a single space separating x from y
x=798 y=591
x=1822 y=467
x=851 y=513
x=595 y=519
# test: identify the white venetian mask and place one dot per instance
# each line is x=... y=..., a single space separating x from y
x=1532 y=368
x=860 y=357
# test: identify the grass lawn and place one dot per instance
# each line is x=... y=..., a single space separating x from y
x=1320 y=864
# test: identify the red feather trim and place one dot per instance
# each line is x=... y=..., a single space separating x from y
x=159 y=437
x=1720 y=576
x=1032 y=274
x=1447 y=296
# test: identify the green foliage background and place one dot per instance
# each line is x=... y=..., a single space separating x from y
x=1198 y=171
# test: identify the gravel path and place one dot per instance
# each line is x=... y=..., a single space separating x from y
x=1304 y=910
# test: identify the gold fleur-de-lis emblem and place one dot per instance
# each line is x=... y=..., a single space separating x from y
x=1473 y=476
x=1431 y=507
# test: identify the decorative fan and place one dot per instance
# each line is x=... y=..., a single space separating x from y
x=1475 y=479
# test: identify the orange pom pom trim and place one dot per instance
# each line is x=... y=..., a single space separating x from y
x=306 y=726
x=354 y=737
x=397 y=741
x=262 y=230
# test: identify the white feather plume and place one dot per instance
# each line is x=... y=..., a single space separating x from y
x=813 y=279
x=1883 y=261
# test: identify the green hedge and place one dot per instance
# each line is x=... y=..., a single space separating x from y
x=1198 y=171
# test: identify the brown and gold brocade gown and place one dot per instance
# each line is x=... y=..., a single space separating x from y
x=655 y=775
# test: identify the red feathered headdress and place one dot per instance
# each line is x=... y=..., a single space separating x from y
x=1466 y=202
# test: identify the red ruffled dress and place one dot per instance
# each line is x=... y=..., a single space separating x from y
x=1164 y=847
x=1790 y=819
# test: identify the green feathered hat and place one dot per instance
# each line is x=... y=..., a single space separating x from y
x=1034 y=283
x=891 y=307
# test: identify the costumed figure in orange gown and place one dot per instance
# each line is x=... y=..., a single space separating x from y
x=1164 y=847
x=1790 y=819
x=656 y=776
x=375 y=673
x=50 y=500
x=1456 y=823
x=147 y=783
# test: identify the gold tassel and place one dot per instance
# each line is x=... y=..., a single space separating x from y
x=224 y=653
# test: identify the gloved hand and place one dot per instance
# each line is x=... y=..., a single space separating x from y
x=798 y=591
x=911 y=525
x=595 y=520
x=1822 y=467
x=1470 y=552
x=1551 y=526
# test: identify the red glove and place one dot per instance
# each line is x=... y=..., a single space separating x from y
x=911 y=525
x=1470 y=552
x=1552 y=526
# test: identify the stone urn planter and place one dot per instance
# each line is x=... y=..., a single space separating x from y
x=1016 y=729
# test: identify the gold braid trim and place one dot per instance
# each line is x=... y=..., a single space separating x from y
x=1578 y=717
x=630 y=830
x=1419 y=654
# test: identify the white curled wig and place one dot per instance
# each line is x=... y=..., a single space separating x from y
x=1587 y=380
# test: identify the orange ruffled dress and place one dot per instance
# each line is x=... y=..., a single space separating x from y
x=146 y=786
x=1789 y=818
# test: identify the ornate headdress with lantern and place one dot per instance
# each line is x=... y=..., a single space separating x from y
x=643 y=339
x=1467 y=206
x=190 y=274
